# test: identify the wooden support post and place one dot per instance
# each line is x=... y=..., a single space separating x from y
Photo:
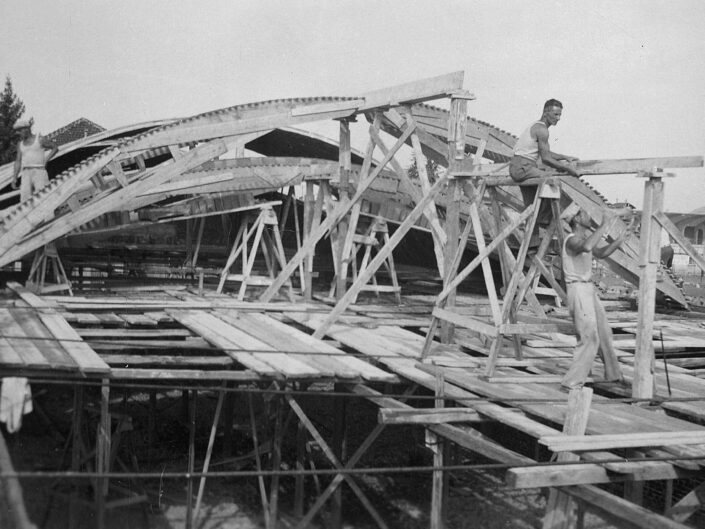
x=339 y=449
x=102 y=453
x=437 y=445
x=344 y=160
x=431 y=212
x=228 y=422
x=452 y=227
x=649 y=258
x=309 y=204
x=276 y=459
x=191 y=458
x=560 y=508
x=209 y=452
x=76 y=450
x=299 y=484
x=258 y=460
x=352 y=219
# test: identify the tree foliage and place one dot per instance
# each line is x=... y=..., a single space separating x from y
x=11 y=109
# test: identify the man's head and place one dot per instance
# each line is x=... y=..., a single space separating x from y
x=574 y=216
x=552 y=110
x=23 y=127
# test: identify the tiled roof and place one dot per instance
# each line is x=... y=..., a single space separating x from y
x=75 y=130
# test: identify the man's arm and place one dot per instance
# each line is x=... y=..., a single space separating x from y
x=578 y=244
x=549 y=158
x=608 y=249
x=48 y=144
x=16 y=168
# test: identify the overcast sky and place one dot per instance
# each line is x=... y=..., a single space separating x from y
x=631 y=74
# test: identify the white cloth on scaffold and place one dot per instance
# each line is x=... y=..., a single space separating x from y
x=15 y=401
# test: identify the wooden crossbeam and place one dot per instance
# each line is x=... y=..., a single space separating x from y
x=427 y=416
x=570 y=443
x=467 y=167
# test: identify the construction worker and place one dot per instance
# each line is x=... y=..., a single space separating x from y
x=31 y=160
x=531 y=147
x=594 y=332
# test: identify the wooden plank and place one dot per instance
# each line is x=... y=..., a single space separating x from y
x=466 y=322
x=365 y=369
x=81 y=353
x=570 y=443
x=133 y=360
x=260 y=351
x=414 y=92
x=589 y=473
x=128 y=334
x=201 y=324
x=138 y=319
x=427 y=416
x=271 y=333
x=52 y=351
x=184 y=374
x=15 y=337
x=467 y=167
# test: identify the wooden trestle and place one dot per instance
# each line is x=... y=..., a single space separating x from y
x=447 y=345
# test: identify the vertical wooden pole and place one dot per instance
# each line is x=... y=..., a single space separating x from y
x=339 y=449
x=560 y=508
x=103 y=453
x=344 y=160
x=309 y=204
x=191 y=459
x=437 y=480
x=276 y=463
x=228 y=418
x=76 y=450
x=452 y=229
x=299 y=484
x=650 y=238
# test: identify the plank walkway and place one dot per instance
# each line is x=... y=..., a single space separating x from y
x=221 y=339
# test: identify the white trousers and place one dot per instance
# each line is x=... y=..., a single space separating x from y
x=594 y=335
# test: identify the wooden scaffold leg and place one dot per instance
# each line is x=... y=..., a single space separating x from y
x=46 y=263
x=268 y=243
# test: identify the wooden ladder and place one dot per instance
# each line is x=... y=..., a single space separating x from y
x=518 y=285
x=267 y=239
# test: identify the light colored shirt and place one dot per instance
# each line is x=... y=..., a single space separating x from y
x=33 y=154
x=576 y=268
x=527 y=146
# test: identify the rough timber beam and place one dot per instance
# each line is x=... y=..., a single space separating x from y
x=304 y=111
x=467 y=167
x=414 y=92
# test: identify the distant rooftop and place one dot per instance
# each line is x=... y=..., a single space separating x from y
x=76 y=130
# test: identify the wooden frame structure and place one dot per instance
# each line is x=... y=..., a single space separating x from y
x=482 y=209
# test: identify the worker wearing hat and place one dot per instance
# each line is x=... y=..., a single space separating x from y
x=30 y=163
x=593 y=330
